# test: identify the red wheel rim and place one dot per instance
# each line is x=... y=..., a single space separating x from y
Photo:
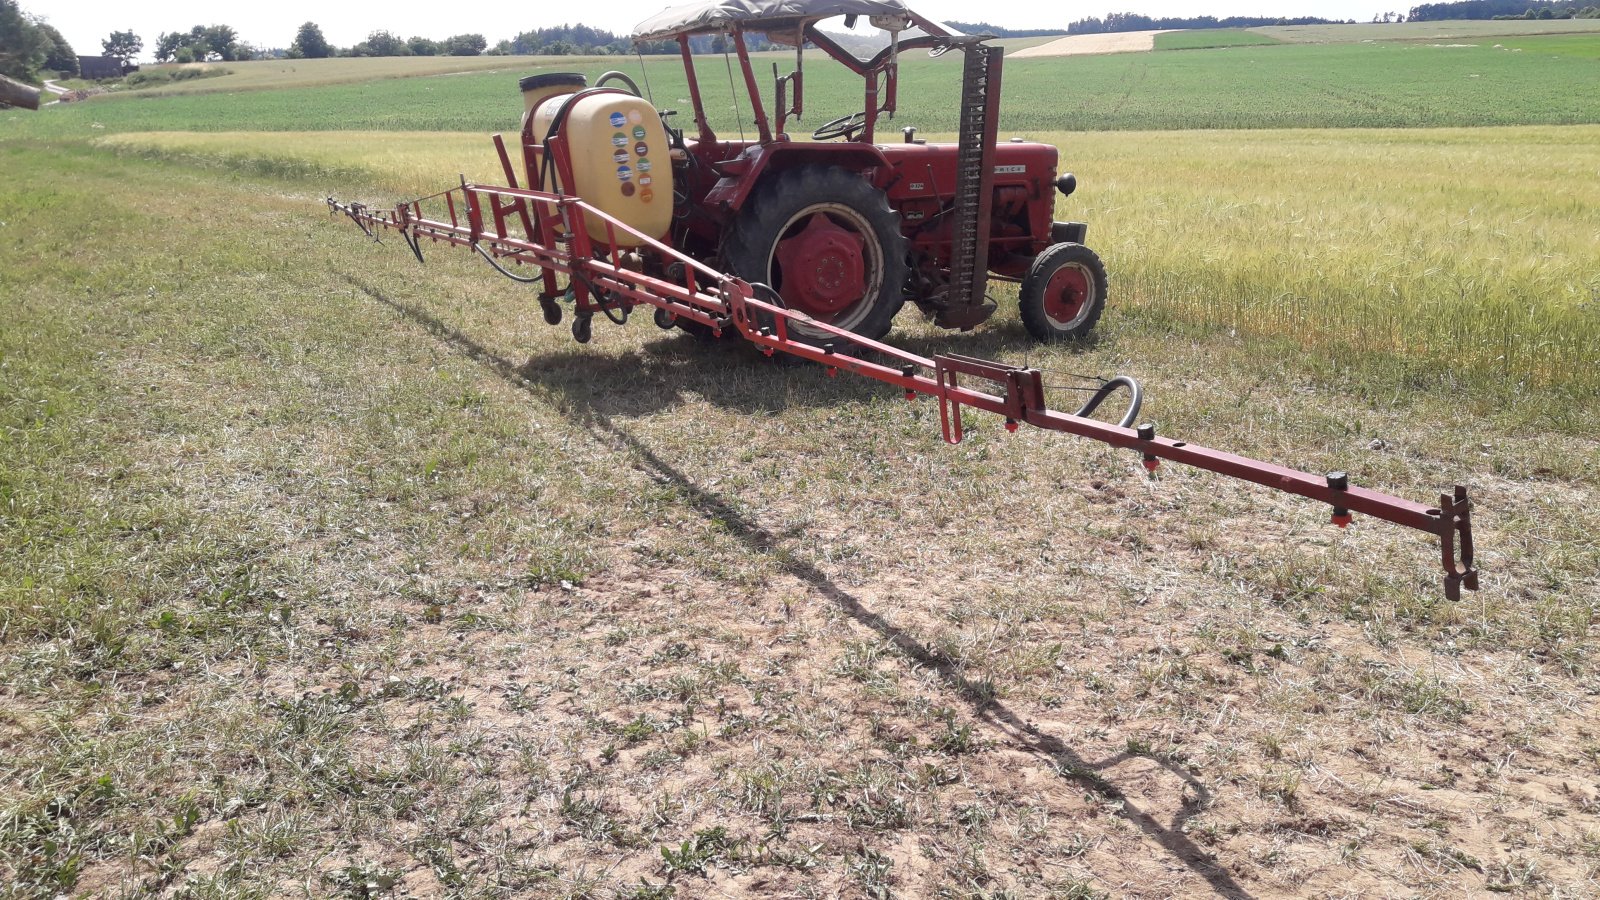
x=824 y=266
x=1066 y=294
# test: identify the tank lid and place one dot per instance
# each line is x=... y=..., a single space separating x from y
x=552 y=79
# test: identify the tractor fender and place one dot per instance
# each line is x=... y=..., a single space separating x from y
x=743 y=173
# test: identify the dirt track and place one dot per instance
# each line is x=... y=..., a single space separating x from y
x=1081 y=44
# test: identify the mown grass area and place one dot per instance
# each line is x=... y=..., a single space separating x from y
x=1206 y=38
x=326 y=574
x=323 y=573
x=1290 y=86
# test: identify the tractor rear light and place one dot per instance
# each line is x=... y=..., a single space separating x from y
x=1066 y=184
x=1342 y=518
x=1011 y=425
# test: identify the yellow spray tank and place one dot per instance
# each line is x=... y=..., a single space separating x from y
x=618 y=148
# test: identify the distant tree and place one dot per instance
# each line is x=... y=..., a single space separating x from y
x=22 y=47
x=465 y=45
x=310 y=43
x=168 y=43
x=58 y=55
x=381 y=43
x=421 y=46
x=123 y=45
x=222 y=41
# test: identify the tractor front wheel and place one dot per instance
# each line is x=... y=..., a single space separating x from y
x=1063 y=293
x=826 y=240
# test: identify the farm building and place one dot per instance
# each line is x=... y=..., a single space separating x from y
x=97 y=67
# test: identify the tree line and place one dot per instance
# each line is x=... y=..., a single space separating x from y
x=1502 y=9
x=997 y=31
x=559 y=40
x=1137 y=22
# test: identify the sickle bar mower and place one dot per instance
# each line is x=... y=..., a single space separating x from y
x=558 y=235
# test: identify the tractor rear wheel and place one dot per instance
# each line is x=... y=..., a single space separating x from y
x=826 y=240
x=1063 y=293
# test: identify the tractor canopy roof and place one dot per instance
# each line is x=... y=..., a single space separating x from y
x=772 y=15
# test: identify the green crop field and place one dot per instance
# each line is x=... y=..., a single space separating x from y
x=1427 y=31
x=1333 y=85
x=325 y=573
x=1206 y=38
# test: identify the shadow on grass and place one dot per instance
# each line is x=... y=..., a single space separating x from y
x=593 y=410
x=730 y=373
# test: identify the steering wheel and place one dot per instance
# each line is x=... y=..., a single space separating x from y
x=846 y=127
x=614 y=75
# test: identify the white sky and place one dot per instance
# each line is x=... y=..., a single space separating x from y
x=85 y=23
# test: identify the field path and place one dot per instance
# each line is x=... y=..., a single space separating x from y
x=1084 y=44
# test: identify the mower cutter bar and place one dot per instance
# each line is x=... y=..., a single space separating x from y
x=555 y=239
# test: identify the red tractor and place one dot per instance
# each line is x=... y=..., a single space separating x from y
x=845 y=227
x=809 y=248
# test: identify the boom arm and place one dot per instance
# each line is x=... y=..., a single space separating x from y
x=555 y=238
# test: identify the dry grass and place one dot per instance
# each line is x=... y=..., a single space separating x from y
x=1467 y=252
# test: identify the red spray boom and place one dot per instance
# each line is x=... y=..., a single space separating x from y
x=552 y=233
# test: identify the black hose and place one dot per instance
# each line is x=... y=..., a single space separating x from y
x=1135 y=400
x=489 y=258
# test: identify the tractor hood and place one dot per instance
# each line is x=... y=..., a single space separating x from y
x=714 y=15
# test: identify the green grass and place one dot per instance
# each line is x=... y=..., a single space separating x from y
x=1579 y=46
x=1206 y=38
x=1426 y=31
x=1288 y=86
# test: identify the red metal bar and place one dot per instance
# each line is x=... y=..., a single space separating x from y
x=751 y=87
x=707 y=136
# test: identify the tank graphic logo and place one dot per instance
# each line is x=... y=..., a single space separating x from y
x=627 y=189
x=624 y=173
x=619 y=157
x=641 y=148
x=638 y=132
x=646 y=180
x=619 y=140
x=646 y=194
x=617 y=120
x=634 y=117
x=644 y=165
